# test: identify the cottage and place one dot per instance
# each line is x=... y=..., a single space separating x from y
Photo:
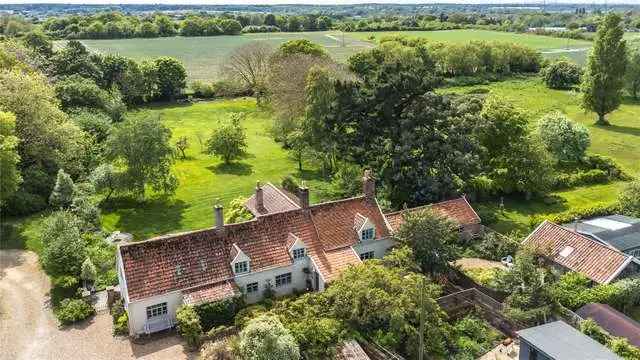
x=616 y=231
x=559 y=341
x=569 y=250
x=289 y=245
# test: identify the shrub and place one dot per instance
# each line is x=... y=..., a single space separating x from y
x=495 y=246
x=594 y=331
x=577 y=213
x=219 y=312
x=565 y=139
x=63 y=287
x=290 y=184
x=562 y=74
x=621 y=347
x=218 y=350
x=202 y=90
x=594 y=176
x=245 y=315
x=265 y=338
x=73 y=310
x=121 y=325
x=629 y=199
x=62 y=193
x=189 y=325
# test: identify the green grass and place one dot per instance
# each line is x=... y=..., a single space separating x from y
x=205 y=180
x=21 y=233
x=203 y=55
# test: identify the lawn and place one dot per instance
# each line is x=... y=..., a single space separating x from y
x=203 y=55
x=205 y=180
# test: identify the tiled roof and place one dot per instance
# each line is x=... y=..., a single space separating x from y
x=458 y=210
x=210 y=292
x=577 y=252
x=275 y=200
x=613 y=321
x=351 y=350
x=203 y=257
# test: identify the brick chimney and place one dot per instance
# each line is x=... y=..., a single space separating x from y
x=259 y=196
x=303 y=195
x=219 y=217
x=368 y=185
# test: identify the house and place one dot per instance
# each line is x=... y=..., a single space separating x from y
x=613 y=321
x=559 y=341
x=458 y=210
x=569 y=250
x=289 y=245
x=616 y=231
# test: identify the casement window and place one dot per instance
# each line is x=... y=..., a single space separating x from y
x=635 y=252
x=367 y=255
x=299 y=253
x=241 y=267
x=284 y=279
x=156 y=310
x=252 y=288
x=367 y=234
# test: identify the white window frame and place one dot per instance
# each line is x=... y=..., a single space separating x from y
x=283 y=280
x=368 y=234
x=299 y=253
x=157 y=310
x=252 y=287
x=635 y=253
x=241 y=267
x=367 y=255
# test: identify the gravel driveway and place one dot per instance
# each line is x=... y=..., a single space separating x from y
x=28 y=329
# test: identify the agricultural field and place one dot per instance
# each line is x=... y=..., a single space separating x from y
x=550 y=47
x=203 y=55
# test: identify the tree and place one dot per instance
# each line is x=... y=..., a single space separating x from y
x=228 y=141
x=88 y=272
x=63 y=248
x=604 y=77
x=632 y=77
x=298 y=145
x=567 y=140
x=62 y=194
x=237 y=212
x=171 y=77
x=264 y=338
x=629 y=199
x=39 y=42
x=140 y=147
x=106 y=177
x=127 y=76
x=562 y=74
x=10 y=177
x=301 y=47
x=249 y=64
x=75 y=59
x=75 y=91
x=181 y=145
x=433 y=239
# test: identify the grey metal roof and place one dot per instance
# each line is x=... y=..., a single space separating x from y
x=622 y=239
x=560 y=341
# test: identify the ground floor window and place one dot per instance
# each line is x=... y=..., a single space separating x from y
x=284 y=279
x=156 y=310
x=252 y=288
x=367 y=255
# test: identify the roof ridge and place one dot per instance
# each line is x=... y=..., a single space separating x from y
x=285 y=195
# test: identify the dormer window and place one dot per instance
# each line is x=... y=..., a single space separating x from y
x=367 y=234
x=241 y=267
x=299 y=253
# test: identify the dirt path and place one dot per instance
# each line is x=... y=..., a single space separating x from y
x=28 y=329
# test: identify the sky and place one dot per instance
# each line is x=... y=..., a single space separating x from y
x=315 y=2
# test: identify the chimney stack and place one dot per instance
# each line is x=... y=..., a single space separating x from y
x=303 y=195
x=368 y=185
x=219 y=217
x=259 y=197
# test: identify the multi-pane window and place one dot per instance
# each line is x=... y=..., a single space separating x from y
x=284 y=279
x=252 y=288
x=298 y=253
x=367 y=234
x=156 y=310
x=241 y=267
x=635 y=252
x=367 y=255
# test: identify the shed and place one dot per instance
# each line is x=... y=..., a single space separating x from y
x=559 y=341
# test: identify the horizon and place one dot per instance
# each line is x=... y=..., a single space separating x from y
x=327 y=2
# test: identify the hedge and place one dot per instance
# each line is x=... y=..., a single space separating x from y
x=73 y=310
x=219 y=313
x=594 y=176
x=577 y=213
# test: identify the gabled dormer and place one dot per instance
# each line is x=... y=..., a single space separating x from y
x=365 y=229
x=296 y=247
x=240 y=262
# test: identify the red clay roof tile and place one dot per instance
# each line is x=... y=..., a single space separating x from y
x=576 y=252
x=210 y=292
x=458 y=210
x=274 y=200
